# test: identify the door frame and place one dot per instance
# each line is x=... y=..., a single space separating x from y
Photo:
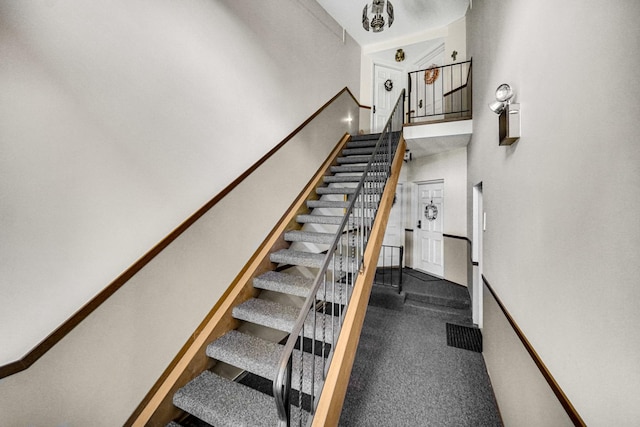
x=417 y=249
x=398 y=215
x=374 y=87
x=479 y=226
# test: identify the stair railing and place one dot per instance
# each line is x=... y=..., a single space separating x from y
x=319 y=321
x=389 y=272
x=440 y=92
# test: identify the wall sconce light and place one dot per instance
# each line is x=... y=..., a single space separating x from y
x=509 y=120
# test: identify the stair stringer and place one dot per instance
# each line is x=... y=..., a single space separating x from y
x=157 y=408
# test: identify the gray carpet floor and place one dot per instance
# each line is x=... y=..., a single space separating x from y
x=405 y=374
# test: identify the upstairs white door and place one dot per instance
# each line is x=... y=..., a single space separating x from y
x=429 y=241
x=387 y=86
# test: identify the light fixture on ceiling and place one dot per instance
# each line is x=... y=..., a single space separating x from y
x=376 y=23
x=509 y=121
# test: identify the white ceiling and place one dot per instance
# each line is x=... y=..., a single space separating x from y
x=411 y=17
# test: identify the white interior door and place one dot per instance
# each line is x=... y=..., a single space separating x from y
x=430 y=244
x=383 y=98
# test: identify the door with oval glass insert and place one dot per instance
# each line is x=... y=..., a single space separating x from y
x=429 y=241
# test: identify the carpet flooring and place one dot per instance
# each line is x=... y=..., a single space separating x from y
x=405 y=374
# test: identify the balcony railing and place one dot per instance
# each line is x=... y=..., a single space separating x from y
x=440 y=93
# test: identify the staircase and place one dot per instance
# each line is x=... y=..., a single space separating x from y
x=220 y=401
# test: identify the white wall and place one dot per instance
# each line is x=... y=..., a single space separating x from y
x=453 y=36
x=118 y=120
x=451 y=166
x=563 y=234
x=525 y=398
x=456 y=41
x=102 y=369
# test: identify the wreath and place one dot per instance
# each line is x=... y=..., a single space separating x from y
x=431 y=211
x=431 y=74
x=388 y=85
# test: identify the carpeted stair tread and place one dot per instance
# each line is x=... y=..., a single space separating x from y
x=330 y=179
x=284 y=283
x=353 y=159
x=319 y=219
x=348 y=168
x=458 y=314
x=261 y=357
x=297 y=285
x=312 y=204
x=358 y=151
x=440 y=300
x=224 y=403
x=365 y=136
x=335 y=190
x=363 y=140
x=305 y=259
x=279 y=316
x=309 y=237
x=247 y=352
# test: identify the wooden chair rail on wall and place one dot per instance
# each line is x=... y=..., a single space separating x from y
x=57 y=335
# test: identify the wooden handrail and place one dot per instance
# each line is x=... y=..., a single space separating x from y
x=52 y=339
x=157 y=409
x=571 y=411
x=337 y=381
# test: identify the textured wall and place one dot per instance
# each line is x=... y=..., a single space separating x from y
x=119 y=121
x=450 y=166
x=563 y=234
x=524 y=396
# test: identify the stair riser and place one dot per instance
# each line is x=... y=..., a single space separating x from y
x=439 y=301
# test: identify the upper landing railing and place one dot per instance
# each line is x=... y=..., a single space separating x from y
x=440 y=93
